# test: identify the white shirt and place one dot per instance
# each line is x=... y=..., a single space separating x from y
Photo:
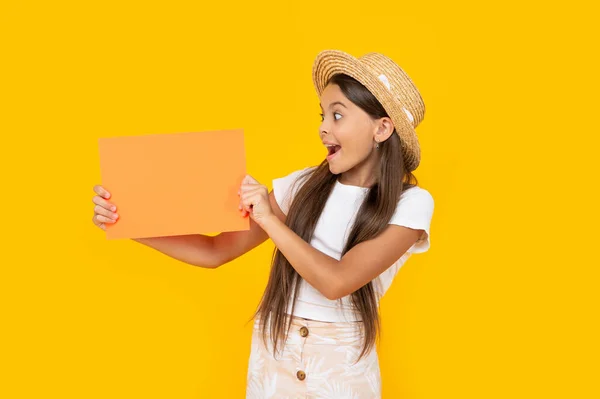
x=414 y=210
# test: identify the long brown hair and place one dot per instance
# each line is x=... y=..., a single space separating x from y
x=378 y=207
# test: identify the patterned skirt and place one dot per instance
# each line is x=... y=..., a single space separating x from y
x=318 y=361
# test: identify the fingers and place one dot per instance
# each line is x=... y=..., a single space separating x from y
x=96 y=220
x=249 y=192
x=248 y=187
x=244 y=208
x=249 y=180
x=104 y=211
x=98 y=210
x=244 y=205
x=104 y=203
x=250 y=197
x=101 y=191
x=244 y=189
x=103 y=207
x=100 y=221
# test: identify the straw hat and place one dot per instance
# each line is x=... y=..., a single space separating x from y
x=388 y=83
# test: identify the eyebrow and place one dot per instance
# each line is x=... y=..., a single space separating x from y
x=334 y=103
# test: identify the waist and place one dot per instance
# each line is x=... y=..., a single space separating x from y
x=324 y=312
x=317 y=332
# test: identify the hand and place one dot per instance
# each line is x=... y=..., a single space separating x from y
x=254 y=200
x=104 y=211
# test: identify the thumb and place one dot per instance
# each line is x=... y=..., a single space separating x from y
x=249 y=180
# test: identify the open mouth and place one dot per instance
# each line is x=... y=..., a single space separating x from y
x=332 y=149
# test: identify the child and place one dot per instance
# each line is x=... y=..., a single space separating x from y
x=342 y=230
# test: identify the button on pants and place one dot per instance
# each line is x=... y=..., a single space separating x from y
x=318 y=361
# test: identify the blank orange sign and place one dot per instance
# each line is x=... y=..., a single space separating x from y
x=172 y=184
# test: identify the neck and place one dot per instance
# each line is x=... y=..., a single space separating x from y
x=362 y=175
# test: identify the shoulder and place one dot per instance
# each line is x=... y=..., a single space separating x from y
x=285 y=187
x=415 y=210
x=416 y=197
x=296 y=174
x=283 y=183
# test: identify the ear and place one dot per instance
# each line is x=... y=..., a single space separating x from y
x=384 y=127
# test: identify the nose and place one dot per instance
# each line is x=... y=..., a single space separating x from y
x=322 y=131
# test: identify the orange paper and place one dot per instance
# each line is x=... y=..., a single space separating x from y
x=172 y=184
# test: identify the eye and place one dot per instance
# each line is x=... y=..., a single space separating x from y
x=335 y=113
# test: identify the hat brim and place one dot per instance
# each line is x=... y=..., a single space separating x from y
x=331 y=62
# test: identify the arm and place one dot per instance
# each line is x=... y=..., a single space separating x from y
x=212 y=252
x=336 y=279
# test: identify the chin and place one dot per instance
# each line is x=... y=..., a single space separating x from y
x=335 y=169
x=332 y=169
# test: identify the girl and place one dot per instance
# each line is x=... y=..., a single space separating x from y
x=341 y=229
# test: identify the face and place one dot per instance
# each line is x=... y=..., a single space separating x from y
x=349 y=134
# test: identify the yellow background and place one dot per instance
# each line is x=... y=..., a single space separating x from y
x=505 y=303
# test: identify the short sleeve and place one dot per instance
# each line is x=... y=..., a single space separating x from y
x=285 y=188
x=415 y=210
